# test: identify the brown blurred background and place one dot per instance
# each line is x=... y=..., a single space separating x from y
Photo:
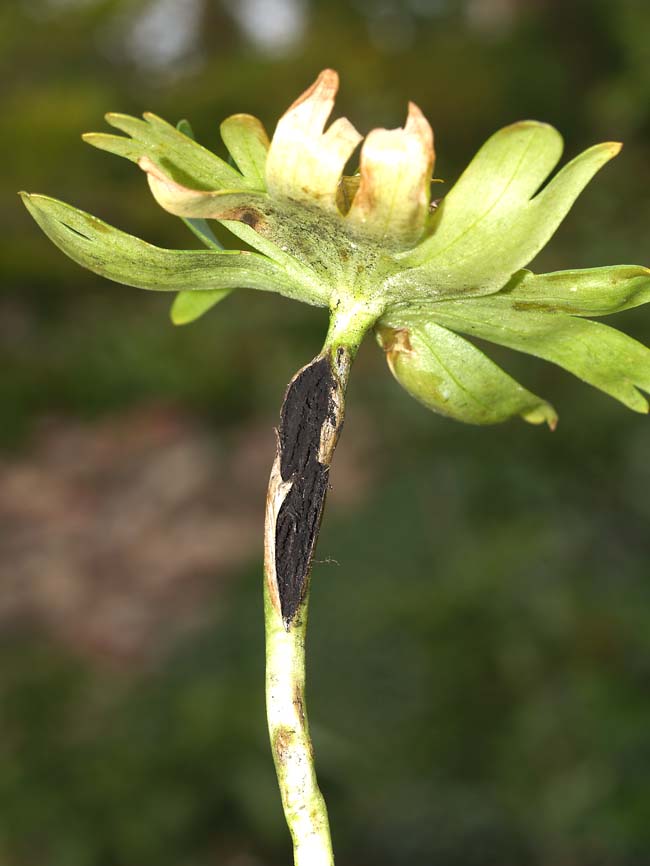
x=480 y=635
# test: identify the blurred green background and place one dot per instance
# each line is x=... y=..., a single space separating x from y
x=480 y=634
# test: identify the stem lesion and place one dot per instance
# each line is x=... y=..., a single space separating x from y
x=311 y=419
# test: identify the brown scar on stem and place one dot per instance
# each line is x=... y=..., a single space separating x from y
x=282 y=741
x=299 y=704
x=310 y=423
x=299 y=707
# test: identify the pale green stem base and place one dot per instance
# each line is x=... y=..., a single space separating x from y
x=304 y=806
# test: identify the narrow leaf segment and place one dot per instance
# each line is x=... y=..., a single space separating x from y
x=491 y=224
x=112 y=253
x=455 y=379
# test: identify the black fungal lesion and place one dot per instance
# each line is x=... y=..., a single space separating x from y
x=309 y=407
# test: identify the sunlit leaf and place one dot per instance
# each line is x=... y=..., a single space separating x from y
x=126 y=259
x=589 y=292
x=182 y=158
x=488 y=226
x=595 y=353
x=248 y=144
x=279 y=230
x=453 y=378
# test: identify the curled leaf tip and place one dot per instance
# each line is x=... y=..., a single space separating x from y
x=542 y=414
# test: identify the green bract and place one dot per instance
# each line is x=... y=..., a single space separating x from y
x=369 y=247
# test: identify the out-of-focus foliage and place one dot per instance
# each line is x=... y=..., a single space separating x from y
x=507 y=571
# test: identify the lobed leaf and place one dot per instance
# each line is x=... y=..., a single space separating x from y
x=248 y=144
x=274 y=229
x=189 y=306
x=126 y=259
x=488 y=226
x=453 y=378
x=588 y=292
x=176 y=153
x=597 y=354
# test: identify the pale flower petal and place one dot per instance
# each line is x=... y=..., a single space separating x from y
x=305 y=164
x=392 y=202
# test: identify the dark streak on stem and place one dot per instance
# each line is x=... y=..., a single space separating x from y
x=310 y=422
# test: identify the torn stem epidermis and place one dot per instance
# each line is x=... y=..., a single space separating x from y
x=306 y=442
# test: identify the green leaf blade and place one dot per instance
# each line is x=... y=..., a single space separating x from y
x=599 y=355
x=586 y=292
x=181 y=157
x=190 y=306
x=488 y=227
x=111 y=253
x=200 y=228
x=453 y=378
x=248 y=144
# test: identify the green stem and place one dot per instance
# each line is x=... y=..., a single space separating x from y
x=304 y=806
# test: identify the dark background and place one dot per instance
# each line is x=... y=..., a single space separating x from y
x=480 y=628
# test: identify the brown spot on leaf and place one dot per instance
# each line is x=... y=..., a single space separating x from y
x=540 y=306
x=249 y=217
x=245 y=214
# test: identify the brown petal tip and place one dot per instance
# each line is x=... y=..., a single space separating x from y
x=324 y=89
